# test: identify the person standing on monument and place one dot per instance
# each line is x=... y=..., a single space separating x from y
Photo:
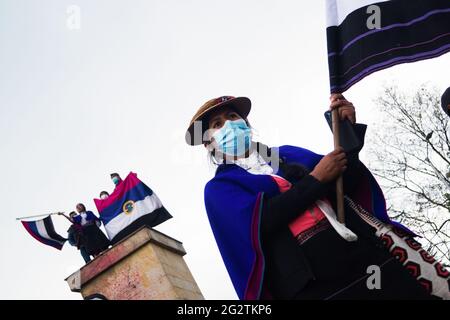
x=116 y=179
x=75 y=235
x=104 y=195
x=95 y=239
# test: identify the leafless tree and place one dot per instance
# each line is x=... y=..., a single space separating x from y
x=409 y=152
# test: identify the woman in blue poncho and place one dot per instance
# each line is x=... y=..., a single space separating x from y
x=272 y=212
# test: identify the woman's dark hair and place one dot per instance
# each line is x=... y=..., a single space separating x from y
x=293 y=172
x=104 y=192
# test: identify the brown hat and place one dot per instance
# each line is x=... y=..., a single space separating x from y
x=194 y=134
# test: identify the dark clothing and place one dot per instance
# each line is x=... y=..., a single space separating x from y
x=341 y=270
x=326 y=263
x=280 y=210
x=75 y=238
x=234 y=201
x=87 y=236
x=74 y=235
x=85 y=255
x=95 y=240
x=71 y=236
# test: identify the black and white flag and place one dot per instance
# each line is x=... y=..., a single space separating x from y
x=365 y=36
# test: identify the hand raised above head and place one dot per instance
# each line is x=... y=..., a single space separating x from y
x=346 y=108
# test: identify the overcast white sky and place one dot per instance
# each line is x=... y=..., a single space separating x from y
x=117 y=95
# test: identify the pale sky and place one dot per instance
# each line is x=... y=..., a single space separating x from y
x=117 y=94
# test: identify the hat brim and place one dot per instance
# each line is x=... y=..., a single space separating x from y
x=241 y=105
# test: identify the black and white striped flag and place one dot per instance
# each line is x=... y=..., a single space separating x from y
x=365 y=36
x=44 y=231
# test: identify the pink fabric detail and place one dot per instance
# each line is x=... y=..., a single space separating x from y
x=254 y=284
x=306 y=219
x=283 y=184
x=130 y=182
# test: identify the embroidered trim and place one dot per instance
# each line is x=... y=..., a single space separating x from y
x=311 y=232
x=430 y=274
x=364 y=214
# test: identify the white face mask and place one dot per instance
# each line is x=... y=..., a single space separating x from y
x=104 y=196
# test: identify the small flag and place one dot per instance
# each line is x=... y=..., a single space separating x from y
x=130 y=206
x=44 y=231
x=365 y=36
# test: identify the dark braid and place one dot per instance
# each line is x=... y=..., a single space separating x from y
x=293 y=172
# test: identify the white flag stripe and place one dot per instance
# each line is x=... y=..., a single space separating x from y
x=141 y=208
x=338 y=10
x=40 y=226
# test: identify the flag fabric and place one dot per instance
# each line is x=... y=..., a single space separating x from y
x=130 y=206
x=406 y=31
x=44 y=231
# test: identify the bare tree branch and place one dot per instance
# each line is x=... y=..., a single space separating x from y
x=410 y=154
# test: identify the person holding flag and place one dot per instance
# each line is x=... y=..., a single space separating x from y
x=75 y=235
x=116 y=179
x=129 y=207
x=272 y=212
x=84 y=233
x=94 y=240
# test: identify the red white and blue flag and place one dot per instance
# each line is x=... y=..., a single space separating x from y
x=44 y=232
x=365 y=36
x=130 y=206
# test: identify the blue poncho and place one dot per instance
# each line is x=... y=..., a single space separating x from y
x=233 y=200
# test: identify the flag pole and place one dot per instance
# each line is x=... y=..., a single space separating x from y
x=39 y=215
x=339 y=181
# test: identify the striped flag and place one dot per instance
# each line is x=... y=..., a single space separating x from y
x=44 y=231
x=131 y=206
x=365 y=36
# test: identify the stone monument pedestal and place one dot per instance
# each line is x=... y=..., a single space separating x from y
x=147 y=265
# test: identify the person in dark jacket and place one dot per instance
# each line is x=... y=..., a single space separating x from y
x=75 y=236
x=95 y=240
x=272 y=212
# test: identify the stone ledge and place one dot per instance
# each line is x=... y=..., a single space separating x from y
x=119 y=251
